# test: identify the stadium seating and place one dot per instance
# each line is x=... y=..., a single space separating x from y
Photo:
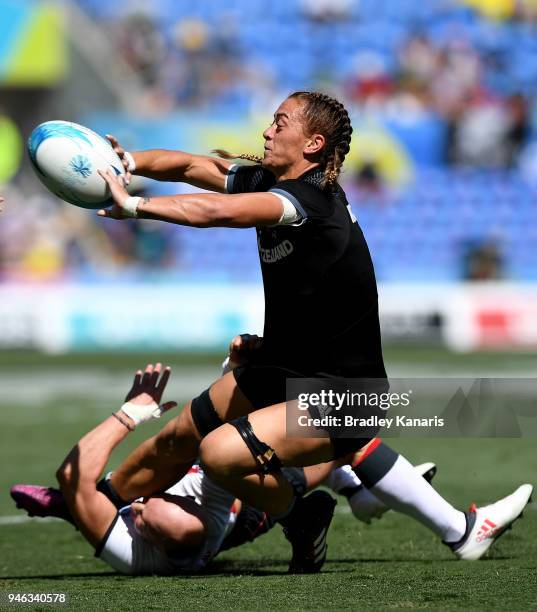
x=418 y=235
x=422 y=232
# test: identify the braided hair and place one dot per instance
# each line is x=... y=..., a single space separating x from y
x=247 y=156
x=322 y=115
x=327 y=116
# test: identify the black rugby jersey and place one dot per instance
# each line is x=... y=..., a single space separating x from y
x=321 y=303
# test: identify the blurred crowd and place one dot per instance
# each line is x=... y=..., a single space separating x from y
x=460 y=62
x=486 y=127
x=441 y=65
x=189 y=64
x=44 y=239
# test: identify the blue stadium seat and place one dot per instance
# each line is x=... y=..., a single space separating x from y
x=419 y=234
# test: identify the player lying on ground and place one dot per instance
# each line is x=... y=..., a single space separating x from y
x=180 y=530
x=167 y=534
x=177 y=531
x=131 y=550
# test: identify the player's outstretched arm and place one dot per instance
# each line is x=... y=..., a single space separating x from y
x=198 y=209
x=178 y=166
x=78 y=475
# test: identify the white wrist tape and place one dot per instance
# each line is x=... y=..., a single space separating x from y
x=130 y=206
x=131 y=164
x=140 y=413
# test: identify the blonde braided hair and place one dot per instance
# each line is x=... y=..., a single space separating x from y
x=226 y=155
x=327 y=116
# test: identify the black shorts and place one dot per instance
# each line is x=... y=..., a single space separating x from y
x=265 y=385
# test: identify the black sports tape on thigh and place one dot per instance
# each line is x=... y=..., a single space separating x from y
x=297 y=479
x=264 y=455
x=204 y=415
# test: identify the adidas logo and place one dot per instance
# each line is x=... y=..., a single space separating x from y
x=487 y=530
x=320 y=547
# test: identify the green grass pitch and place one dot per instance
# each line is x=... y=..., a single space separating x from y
x=46 y=403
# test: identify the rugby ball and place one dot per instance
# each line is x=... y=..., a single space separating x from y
x=66 y=157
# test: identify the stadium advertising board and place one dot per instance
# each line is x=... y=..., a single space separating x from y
x=205 y=317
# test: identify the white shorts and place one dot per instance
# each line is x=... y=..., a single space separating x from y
x=124 y=549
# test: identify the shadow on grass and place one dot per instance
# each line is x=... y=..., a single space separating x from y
x=261 y=567
x=392 y=561
x=217 y=568
x=250 y=567
x=60 y=576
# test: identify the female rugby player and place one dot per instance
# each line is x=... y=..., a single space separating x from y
x=320 y=290
x=321 y=311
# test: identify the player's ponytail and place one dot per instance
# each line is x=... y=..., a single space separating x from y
x=227 y=155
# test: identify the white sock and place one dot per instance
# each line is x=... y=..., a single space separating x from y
x=406 y=491
x=363 y=504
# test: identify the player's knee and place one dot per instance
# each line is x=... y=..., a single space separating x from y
x=76 y=491
x=216 y=456
x=209 y=456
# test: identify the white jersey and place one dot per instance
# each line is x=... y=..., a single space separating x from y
x=127 y=551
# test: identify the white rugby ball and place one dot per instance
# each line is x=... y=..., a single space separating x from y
x=66 y=157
